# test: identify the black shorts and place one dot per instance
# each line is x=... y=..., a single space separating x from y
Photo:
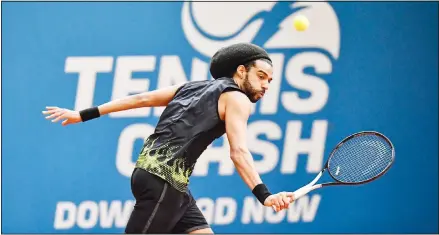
x=160 y=208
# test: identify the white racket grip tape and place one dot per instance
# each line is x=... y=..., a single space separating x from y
x=302 y=191
x=307 y=188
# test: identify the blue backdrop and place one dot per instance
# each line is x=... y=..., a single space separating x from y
x=359 y=66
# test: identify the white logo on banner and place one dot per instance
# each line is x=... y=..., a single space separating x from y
x=233 y=22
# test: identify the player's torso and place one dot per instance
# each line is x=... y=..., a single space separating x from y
x=187 y=126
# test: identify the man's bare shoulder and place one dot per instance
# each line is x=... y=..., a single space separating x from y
x=237 y=99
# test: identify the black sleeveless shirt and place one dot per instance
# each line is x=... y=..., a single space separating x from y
x=188 y=125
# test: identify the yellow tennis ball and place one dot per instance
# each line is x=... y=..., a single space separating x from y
x=301 y=23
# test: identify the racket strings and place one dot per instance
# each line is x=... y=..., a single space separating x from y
x=360 y=158
x=365 y=161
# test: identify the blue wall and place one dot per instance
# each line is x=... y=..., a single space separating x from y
x=360 y=66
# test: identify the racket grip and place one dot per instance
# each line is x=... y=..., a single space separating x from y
x=302 y=191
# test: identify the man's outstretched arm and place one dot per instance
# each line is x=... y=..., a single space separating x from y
x=237 y=112
x=156 y=98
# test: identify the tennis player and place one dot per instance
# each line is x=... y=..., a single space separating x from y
x=196 y=113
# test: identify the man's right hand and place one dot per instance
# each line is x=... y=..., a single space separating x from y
x=279 y=201
x=69 y=116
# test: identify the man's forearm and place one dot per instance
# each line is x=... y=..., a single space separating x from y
x=245 y=166
x=125 y=103
x=155 y=98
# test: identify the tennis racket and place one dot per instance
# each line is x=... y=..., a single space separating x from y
x=358 y=159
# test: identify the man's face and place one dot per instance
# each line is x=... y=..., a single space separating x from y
x=257 y=79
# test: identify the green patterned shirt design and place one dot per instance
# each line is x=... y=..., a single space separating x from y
x=161 y=161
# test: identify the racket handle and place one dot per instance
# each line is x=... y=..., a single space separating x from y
x=302 y=191
x=307 y=188
x=299 y=193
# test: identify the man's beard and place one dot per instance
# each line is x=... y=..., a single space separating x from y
x=249 y=91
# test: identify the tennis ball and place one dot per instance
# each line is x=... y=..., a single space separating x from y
x=301 y=23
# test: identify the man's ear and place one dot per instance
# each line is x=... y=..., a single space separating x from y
x=240 y=70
